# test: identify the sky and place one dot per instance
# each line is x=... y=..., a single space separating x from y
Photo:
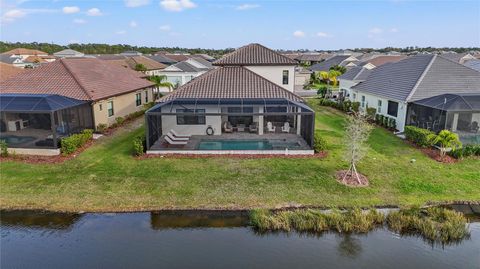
x=279 y=24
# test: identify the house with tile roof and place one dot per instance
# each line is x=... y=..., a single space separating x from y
x=68 y=53
x=352 y=77
x=44 y=104
x=25 y=53
x=182 y=72
x=7 y=71
x=342 y=60
x=394 y=88
x=235 y=108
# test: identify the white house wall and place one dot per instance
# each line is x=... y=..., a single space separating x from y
x=169 y=122
x=372 y=101
x=275 y=74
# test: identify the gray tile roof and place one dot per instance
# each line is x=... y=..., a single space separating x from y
x=202 y=61
x=161 y=59
x=68 y=53
x=356 y=73
x=453 y=56
x=474 y=64
x=5 y=58
x=232 y=82
x=254 y=54
x=186 y=67
x=419 y=77
x=328 y=63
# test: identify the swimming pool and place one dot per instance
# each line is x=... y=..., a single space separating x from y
x=16 y=140
x=262 y=144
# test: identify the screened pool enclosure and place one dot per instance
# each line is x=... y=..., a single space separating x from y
x=274 y=122
x=459 y=113
x=41 y=120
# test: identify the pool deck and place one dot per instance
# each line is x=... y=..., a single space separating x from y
x=162 y=147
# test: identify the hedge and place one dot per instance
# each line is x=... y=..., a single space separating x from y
x=139 y=143
x=419 y=136
x=319 y=143
x=68 y=145
x=466 y=151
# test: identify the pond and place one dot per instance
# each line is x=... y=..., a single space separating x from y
x=186 y=239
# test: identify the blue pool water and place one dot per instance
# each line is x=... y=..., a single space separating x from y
x=16 y=140
x=262 y=144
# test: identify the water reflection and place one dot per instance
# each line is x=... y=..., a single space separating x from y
x=349 y=246
x=38 y=220
x=197 y=219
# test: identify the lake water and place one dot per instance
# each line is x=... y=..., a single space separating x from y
x=207 y=240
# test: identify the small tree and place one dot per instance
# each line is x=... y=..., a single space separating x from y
x=140 y=67
x=339 y=68
x=357 y=131
x=446 y=140
x=160 y=81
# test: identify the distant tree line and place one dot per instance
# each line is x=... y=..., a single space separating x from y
x=108 y=49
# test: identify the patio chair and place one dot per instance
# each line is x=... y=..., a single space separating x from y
x=172 y=142
x=270 y=127
x=173 y=138
x=253 y=128
x=286 y=127
x=178 y=135
x=227 y=127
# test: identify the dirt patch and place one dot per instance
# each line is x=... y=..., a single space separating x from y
x=236 y=156
x=435 y=154
x=351 y=180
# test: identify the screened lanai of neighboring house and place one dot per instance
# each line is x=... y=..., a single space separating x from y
x=267 y=116
x=41 y=120
x=459 y=113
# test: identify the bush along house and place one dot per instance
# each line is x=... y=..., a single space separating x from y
x=40 y=107
x=244 y=106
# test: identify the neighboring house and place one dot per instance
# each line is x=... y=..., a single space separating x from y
x=68 y=53
x=182 y=72
x=205 y=57
x=267 y=63
x=66 y=96
x=312 y=58
x=237 y=108
x=458 y=57
x=342 y=60
x=153 y=67
x=474 y=64
x=162 y=59
x=7 y=71
x=393 y=87
x=25 y=53
x=16 y=61
x=351 y=78
x=131 y=53
x=379 y=60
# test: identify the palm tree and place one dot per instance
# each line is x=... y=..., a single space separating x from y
x=160 y=82
x=446 y=140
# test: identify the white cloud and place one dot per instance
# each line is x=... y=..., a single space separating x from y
x=70 y=10
x=177 y=5
x=79 y=21
x=14 y=14
x=375 y=30
x=120 y=32
x=165 y=28
x=94 y=12
x=299 y=33
x=136 y=3
x=247 y=6
x=133 y=24
x=322 y=34
x=394 y=30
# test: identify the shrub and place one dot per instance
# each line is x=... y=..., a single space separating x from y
x=3 y=148
x=139 y=145
x=347 y=105
x=371 y=112
x=68 y=145
x=319 y=143
x=385 y=121
x=466 y=151
x=355 y=106
x=101 y=128
x=392 y=123
x=377 y=118
x=419 y=136
x=119 y=120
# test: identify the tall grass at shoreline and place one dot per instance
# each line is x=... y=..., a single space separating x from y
x=434 y=224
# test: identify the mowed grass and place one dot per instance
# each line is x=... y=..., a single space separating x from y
x=107 y=178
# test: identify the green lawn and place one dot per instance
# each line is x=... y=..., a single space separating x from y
x=107 y=178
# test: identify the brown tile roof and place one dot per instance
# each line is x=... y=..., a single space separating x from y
x=79 y=78
x=22 y=51
x=232 y=82
x=7 y=71
x=35 y=59
x=147 y=62
x=254 y=54
x=381 y=60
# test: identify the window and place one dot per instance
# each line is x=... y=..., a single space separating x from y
x=363 y=100
x=110 y=108
x=146 y=96
x=392 y=108
x=285 y=77
x=100 y=107
x=174 y=79
x=138 y=99
x=354 y=96
x=192 y=119
x=379 y=106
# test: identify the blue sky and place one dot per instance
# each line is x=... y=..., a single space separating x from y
x=278 y=24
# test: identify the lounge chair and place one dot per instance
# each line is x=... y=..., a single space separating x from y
x=178 y=135
x=270 y=127
x=286 y=127
x=169 y=135
x=253 y=128
x=172 y=142
x=227 y=127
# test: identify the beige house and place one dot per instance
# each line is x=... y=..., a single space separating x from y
x=111 y=91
